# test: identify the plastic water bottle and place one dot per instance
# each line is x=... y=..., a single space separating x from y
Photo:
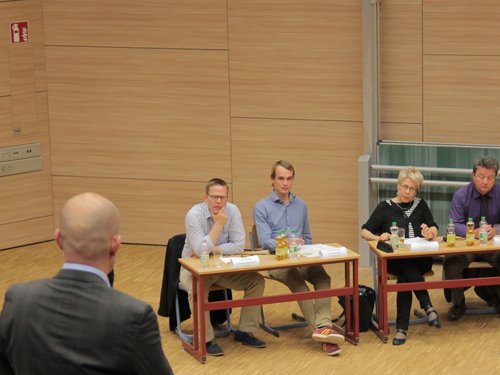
x=293 y=247
x=281 y=245
x=204 y=255
x=469 y=234
x=394 y=236
x=483 y=234
x=450 y=234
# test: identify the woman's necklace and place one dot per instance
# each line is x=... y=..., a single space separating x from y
x=403 y=208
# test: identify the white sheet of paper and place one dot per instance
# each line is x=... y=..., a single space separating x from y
x=321 y=250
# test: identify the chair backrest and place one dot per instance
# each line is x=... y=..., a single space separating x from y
x=254 y=239
x=171 y=270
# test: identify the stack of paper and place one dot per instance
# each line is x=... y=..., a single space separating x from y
x=321 y=250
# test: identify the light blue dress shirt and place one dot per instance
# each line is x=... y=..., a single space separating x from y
x=199 y=222
x=271 y=215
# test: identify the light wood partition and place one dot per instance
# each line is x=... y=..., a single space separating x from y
x=183 y=24
x=462 y=99
x=26 y=212
x=151 y=211
x=439 y=63
x=401 y=70
x=461 y=27
x=295 y=59
x=139 y=113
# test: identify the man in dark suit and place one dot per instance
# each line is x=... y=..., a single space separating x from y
x=75 y=323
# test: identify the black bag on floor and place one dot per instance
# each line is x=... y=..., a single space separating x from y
x=366 y=305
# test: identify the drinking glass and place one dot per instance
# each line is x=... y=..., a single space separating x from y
x=401 y=236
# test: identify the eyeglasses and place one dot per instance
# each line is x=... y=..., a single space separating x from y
x=410 y=188
x=218 y=197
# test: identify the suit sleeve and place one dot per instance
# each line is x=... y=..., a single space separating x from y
x=149 y=356
x=5 y=367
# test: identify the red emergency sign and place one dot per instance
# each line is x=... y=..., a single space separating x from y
x=19 y=32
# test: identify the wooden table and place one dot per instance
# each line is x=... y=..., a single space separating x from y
x=269 y=262
x=380 y=258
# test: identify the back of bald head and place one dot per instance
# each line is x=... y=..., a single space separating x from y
x=88 y=224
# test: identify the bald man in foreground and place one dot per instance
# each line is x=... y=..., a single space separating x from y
x=75 y=323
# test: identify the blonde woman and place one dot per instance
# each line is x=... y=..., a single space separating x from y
x=412 y=214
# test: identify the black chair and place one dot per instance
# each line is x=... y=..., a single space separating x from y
x=174 y=302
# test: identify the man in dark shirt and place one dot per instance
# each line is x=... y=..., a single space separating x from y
x=481 y=197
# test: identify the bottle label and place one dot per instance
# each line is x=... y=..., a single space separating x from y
x=483 y=236
x=204 y=260
x=450 y=239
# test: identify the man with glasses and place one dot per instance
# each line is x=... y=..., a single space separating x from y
x=219 y=224
x=283 y=210
x=481 y=197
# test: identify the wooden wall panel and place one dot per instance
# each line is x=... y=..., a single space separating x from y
x=135 y=113
x=28 y=195
x=461 y=27
x=5 y=119
x=151 y=211
x=30 y=11
x=402 y=131
x=22 y=84
x=324 y=154
x=295 y=59
x=26 y=210
x=131 y=23
x=401 y=61
x=4 y=57
x=28 y=231
x=461 y=99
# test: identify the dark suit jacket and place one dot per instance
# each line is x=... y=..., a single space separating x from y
x=75 y=324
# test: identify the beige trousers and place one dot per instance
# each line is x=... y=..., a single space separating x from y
x=317 y=312
x=253 y=285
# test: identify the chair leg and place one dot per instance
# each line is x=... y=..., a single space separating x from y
x=273 y=330
x=266 y=327
x=187 y=338
x=482 y=311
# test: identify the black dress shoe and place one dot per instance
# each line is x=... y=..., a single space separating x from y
x=248 y=339
x=456 y=312
x=400 y=337
x=214 y=349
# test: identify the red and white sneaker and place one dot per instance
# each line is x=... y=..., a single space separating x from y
x=327 y=334
x=331 y=349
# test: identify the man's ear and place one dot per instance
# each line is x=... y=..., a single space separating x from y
x=58 y=238
x=116 y=241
